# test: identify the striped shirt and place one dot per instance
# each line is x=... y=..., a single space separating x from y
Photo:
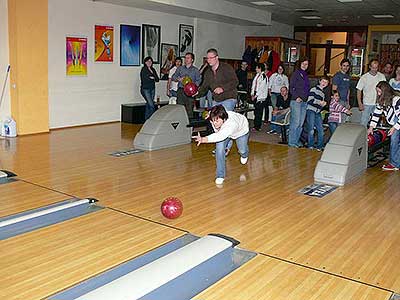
x=315 y=97
x=335 y=110
x=390 y=112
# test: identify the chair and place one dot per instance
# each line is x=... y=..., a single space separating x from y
x=284 y=124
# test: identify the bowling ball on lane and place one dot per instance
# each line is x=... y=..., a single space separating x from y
x=171 y=208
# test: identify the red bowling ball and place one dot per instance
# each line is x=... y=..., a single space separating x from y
x=371 y=140
x=384 y=134
x=190 y=89
x=171 y=208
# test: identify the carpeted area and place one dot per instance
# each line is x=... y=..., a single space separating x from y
x=262 y=136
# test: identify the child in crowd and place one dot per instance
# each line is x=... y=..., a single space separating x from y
x=227 y=125
x=335 y=112
x=388 y=103
x=315 y=103
x=259 y=95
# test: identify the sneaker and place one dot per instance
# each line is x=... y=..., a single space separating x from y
x=243 y=160
x=219 y=180
x=389 y=167
x=319 y=149
x=271 y=131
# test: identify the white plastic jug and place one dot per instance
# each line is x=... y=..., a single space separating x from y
x=9 y=128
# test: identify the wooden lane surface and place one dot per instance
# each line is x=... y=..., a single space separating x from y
x=264 y=278
x=19 y=196
x=43 y=262
x=353 y=232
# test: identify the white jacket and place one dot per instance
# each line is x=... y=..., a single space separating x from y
x=259 y=87
x=276 y=81
x=234 y=127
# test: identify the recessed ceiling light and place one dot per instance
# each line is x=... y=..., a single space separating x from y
x=263 y=3
x=348 y=1
x=311 y=17
x=383 y=16
x=319 y=25
x=305 y=10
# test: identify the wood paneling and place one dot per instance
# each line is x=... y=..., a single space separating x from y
x=19 y=196
x=353 y=232
x=43 y=262
x=269 y=279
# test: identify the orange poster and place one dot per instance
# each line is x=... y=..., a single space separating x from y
x=104 y=43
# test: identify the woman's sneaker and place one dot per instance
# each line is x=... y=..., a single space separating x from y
x=219 y=180
x=243 y=160
x=389 y=167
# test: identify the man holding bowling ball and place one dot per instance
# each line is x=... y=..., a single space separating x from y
x=187 y=73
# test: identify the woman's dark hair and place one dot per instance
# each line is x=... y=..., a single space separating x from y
x=261 y=66
x=147 y=58
x=300 y=61
x=281 y=65
x=394 y=71
x=385 y=99
x=218 y=112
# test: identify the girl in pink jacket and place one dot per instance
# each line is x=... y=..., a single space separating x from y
x=335 y=112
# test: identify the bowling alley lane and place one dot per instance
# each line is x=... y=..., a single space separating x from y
x=19 y=196
x=265 y=278
x=40 y=263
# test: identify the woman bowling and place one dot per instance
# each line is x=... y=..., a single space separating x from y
x=388 y=103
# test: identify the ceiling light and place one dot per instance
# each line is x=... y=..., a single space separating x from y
x=305 y=10
x=263 y=3
x=349 y=1
x=311 y=17
x=383 y=16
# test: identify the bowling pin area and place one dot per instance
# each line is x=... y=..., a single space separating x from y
x=78 y=223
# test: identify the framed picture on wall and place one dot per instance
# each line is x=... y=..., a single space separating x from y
x=186 y=38
x=76 y=56
x=129 y=45
x=103 y=43
x=151 y=38
x=168 y=54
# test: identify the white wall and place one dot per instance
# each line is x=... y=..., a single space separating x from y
x=4 y=60
x=98 y=97
x=228 y=39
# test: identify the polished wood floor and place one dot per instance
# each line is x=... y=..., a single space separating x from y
x=353 y=233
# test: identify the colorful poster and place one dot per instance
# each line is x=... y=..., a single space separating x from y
x=103 y=43
x=130 y=45
x=168 y=55
x=76 y=53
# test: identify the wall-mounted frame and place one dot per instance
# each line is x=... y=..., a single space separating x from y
x=168 y=54
x=151 y=39
x=186 y=39
x=129 y=45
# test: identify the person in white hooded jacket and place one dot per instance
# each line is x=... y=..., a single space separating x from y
x=227 y=125
x=259 y=95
